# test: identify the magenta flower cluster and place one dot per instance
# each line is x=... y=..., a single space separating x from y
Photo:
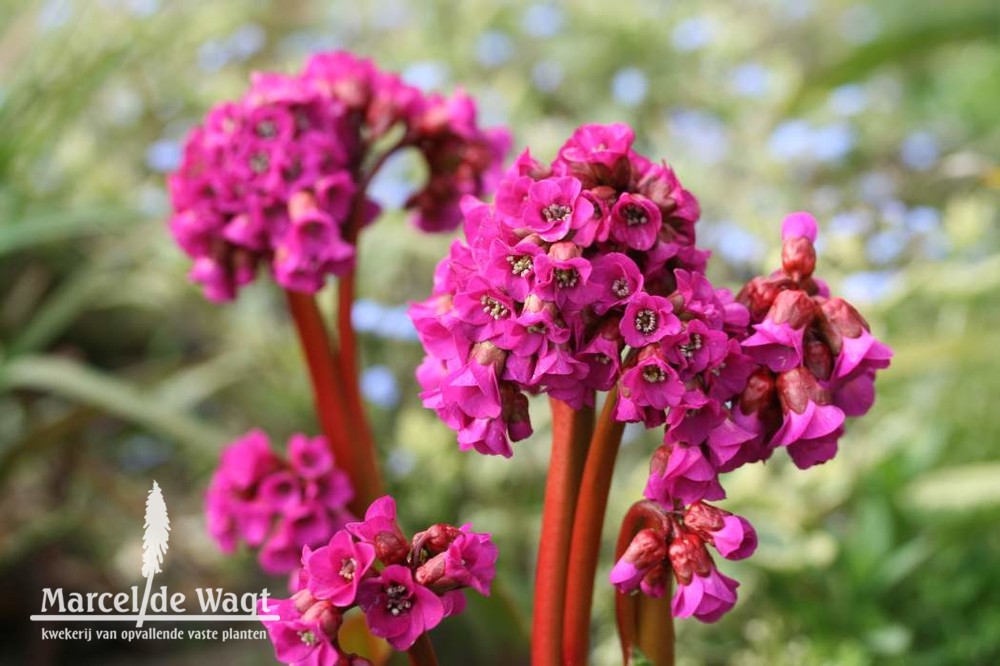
x=583 y=276
x=572 y=263
x=807 y=360
x=279 y=177
x=275 y=504
x=404 y=587
x=676 y=545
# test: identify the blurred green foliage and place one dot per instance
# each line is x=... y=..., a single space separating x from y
x=878 y=117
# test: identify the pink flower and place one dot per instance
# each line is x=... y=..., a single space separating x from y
x=305 y=632
x=683 y=473
x=855 y=348
x=647 y=550
x=733 y=536
x=379 y=528
x=615 y=278
x=811 y=425
x=554 y=206
x=635 y=221
x=468 y=561
x=397 y=608
x=701 y=590
x=648 y=319
x=778 y=341
x=336 y=570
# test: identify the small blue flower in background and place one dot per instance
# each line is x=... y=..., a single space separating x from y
x=750 y=79
x=426 y=75
x=543 y=20
x=919 y=151
x=868 y=286
x=390 y=322
x=494 y=48
x=692 y=34
x=547 y=75
x=379 y=386
x=848 y=100
x=629 y=86
x=163 y=155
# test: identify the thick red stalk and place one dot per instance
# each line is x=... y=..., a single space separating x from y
x=571 y=433
x=422 y=652
x=585 y=544
x=368 y=485
x=643 y=622
x=325 y=375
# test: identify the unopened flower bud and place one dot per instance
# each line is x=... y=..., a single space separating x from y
x=840 y=320
x=796 y=388
x=328 y=617
x=794 y=308
x=435 y=538
x=303 y=600
x=819 y=359
x=688 y=556
x=798 y=258
x=759 y=391
x=390 y=548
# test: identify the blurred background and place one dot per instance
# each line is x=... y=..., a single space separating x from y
x=879 y=117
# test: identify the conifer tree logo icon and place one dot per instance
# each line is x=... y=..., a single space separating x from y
x=154 y=542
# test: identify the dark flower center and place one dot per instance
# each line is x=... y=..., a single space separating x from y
x=635 y=215
x=520 y=266
x=566 y=277
x=267 y=130
x=653 y=374
x=493 y=307
x=620 y=288
x=693 y=345
x=555 y=212
x=645 y=321
x=259 y=162
x=397 y=600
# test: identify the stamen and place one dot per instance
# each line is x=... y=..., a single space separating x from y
x=555 y=211
x=307 y=637
x=267 y=130
x=398 y=601
x=520 y=266
x=635 y=215
x=653 y=374
x=645 y=321
x=259 y=162
x=693 y=345
x=620 y=288
x=493 y=307
x=347 y=568
x=566 y=277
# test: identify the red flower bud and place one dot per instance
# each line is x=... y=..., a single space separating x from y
x=798 y=258
x=704 y=518
x=759 y=391
x=390 y=548
x=840 y=320
x=796 y=388
x=818 y=358
x=688 y=556
x=793 y=307
x=648 y=547
x=435 y=538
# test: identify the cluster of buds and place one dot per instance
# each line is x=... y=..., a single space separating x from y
x=277 y=505
x=676 y=544
x=404 y=587
x=816 y=357
x=573 y=262
x=279 y=177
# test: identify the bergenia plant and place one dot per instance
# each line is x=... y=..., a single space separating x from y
x=580 y=280
x=583 y=277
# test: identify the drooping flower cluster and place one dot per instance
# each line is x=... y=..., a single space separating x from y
x=575 y=261
x=279 y=177
x=816 y=357
x=405 y=588
x=274 y=504
x=811 y=361
x=676 y=545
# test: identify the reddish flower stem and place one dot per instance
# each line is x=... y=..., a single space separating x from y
x=422 y=652
x=571 y=433
x=585 y=544
x=325 y=375
x=368 y=482
x=643 y=621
